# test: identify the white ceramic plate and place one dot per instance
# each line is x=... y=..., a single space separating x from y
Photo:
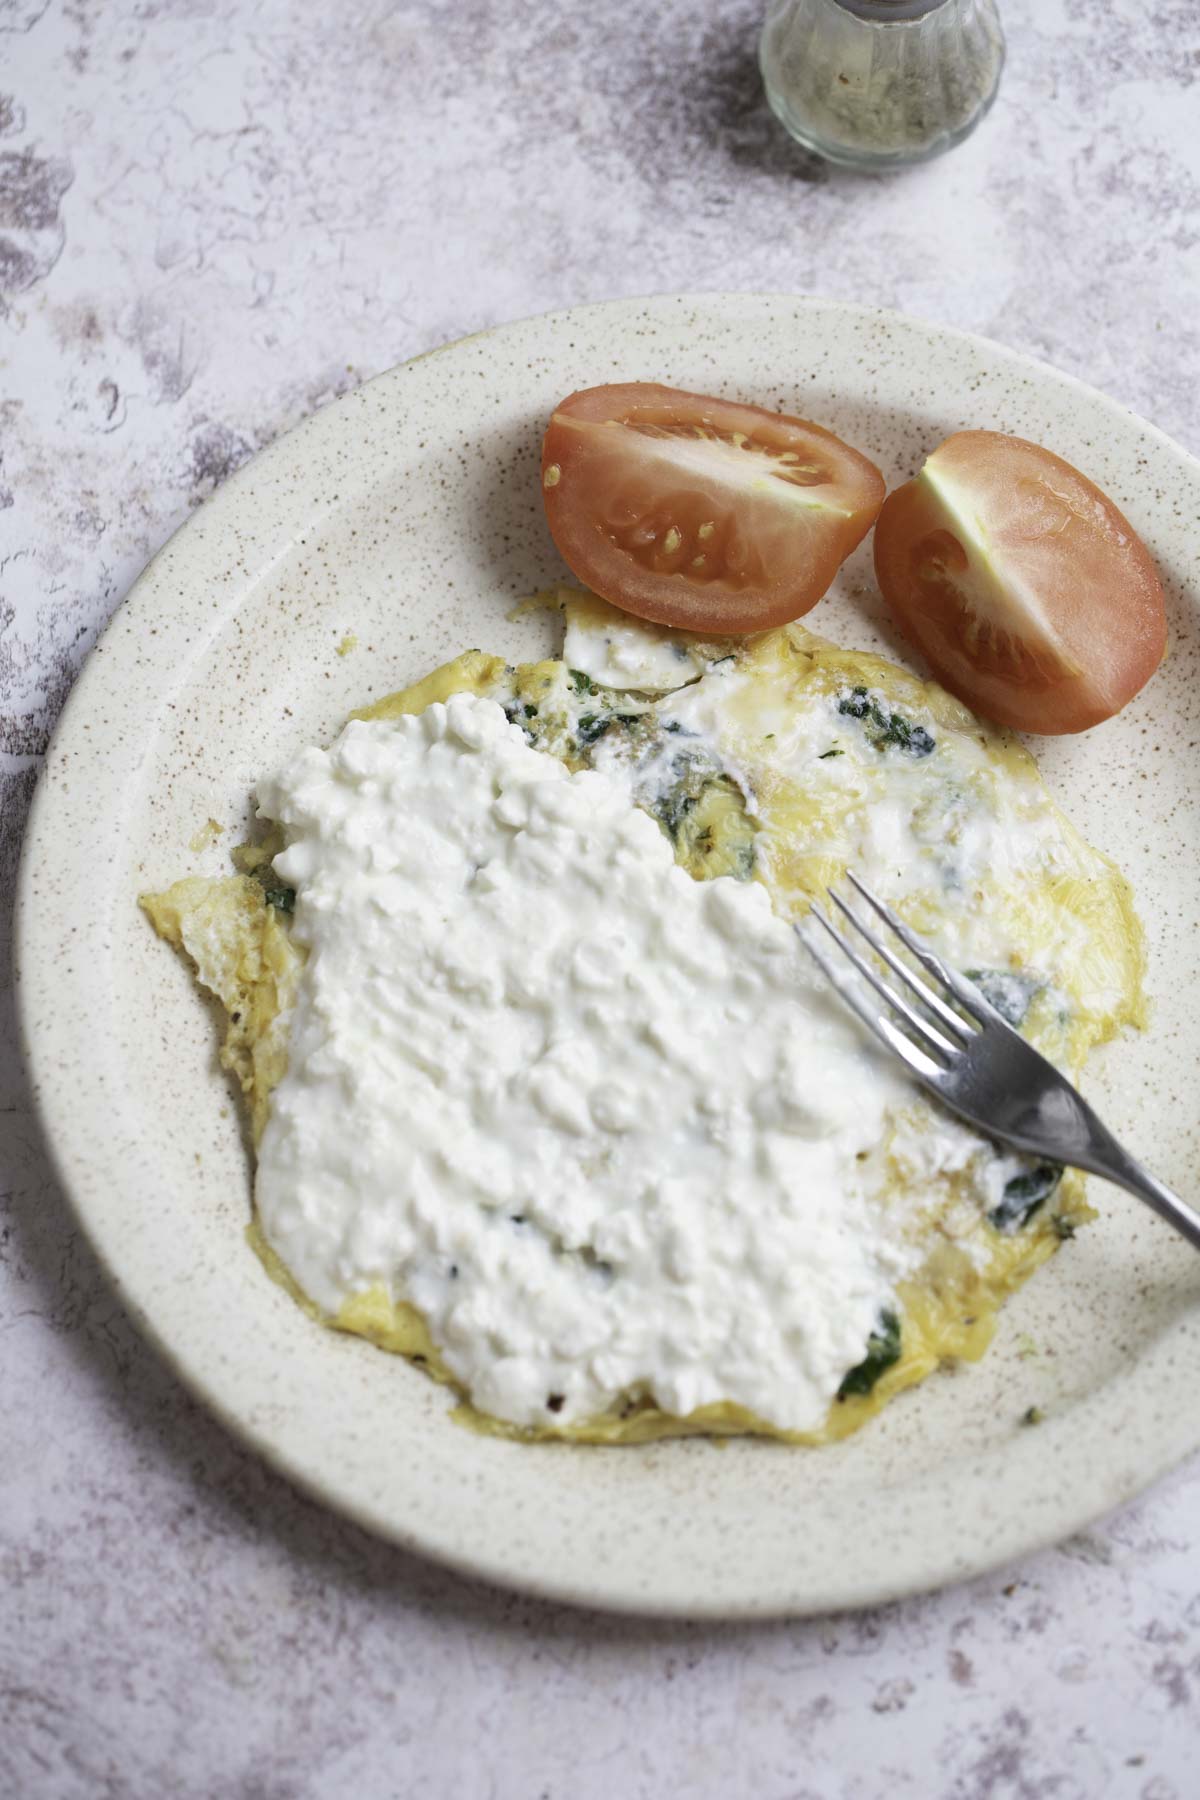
x=409 y=514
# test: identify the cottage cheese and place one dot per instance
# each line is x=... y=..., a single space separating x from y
x=599 y=1122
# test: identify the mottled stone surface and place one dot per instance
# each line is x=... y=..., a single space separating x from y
x=214 y=217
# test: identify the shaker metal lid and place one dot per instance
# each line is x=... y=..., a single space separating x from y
x=893 y=11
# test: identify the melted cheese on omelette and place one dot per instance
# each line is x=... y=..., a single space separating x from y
x=782 y=760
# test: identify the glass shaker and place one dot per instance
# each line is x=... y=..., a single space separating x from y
x=879 y=83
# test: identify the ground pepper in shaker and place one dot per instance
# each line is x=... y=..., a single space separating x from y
x=876 y=84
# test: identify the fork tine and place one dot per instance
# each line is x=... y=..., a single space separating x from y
x=920 y=988
x=928 y=1036
x=882 y=1027
x=964 y=991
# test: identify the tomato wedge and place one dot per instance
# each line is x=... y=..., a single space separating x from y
x=1030 y=596
x=698 y=512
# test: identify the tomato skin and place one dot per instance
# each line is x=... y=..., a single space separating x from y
x=1024 y=587
x=702 y=513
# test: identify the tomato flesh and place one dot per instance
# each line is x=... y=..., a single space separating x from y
x=1029 y=594
x=700 y=512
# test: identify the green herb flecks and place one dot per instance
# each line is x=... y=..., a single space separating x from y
x=672 y=807
x=1033 y=1415
x=884 y=729
x=591 y=727
x=275 y=892
x=518 y=713
x=1023 y=1195
x=826 y=754
x=583 y=684
x=703 y=812
x=883 y=1350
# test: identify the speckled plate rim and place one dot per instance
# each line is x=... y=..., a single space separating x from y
x=89 y=1168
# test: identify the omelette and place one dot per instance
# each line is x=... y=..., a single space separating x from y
x=778 y=760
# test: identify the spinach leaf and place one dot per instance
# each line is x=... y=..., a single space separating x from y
x=703 y=812
x=591 y=727
x=1023 y=1195
x=883 y=1350
x=282 y=898
x=885 y=729
x=692 y=774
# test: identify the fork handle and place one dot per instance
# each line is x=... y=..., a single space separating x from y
x=1104 y=1156
x=1128 y=1173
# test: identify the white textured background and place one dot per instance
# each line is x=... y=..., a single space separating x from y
x=215 y=215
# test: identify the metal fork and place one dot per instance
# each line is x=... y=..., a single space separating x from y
x=973 y=1060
